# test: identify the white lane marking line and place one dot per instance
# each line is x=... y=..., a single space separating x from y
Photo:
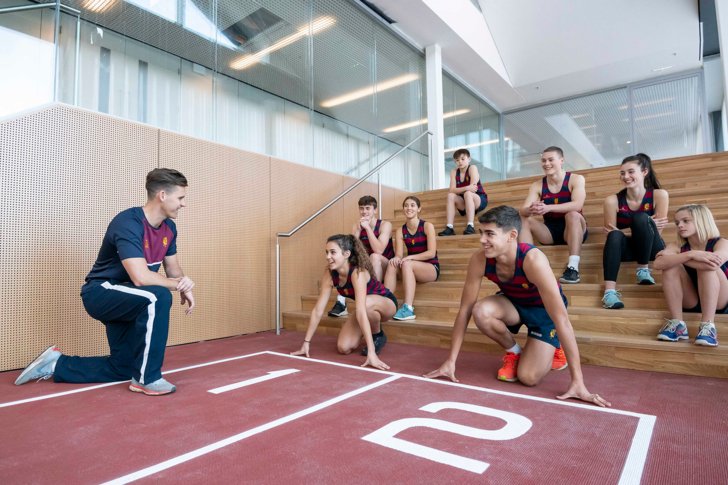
x=270 y=375
x=636 y=456
x=145 y=472
x=107 y=384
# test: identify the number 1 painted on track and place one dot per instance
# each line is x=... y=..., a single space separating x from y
x=271 y=375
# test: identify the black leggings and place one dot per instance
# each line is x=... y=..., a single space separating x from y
x=642 y=246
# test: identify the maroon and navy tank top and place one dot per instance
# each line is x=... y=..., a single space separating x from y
x=417 y=243
x=625 y=214
x=466 y=181
x=561 y=197
x=709 y=246
x=388 y=251
x=374 y=286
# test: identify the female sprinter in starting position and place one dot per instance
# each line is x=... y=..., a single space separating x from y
x=421 y=263
x=694 y=275
x=640 y=209
x=350 y=272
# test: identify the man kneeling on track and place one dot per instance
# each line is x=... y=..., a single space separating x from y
x=529 y=295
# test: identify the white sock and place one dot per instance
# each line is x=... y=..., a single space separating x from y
x=471 y=224
x=341 y=299
x=516 y=349
x=574 y=262
x=409 y=307
x=450 y=226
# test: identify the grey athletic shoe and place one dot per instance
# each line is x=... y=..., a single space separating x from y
x=41 y=368
x=159 y=387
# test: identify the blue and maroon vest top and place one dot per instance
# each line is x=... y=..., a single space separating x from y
x=518 y=290
x=417 y=243
x=374 y=286
x=625 y=214
x=466 y=181
x=709 y=246
x=561 y=197
x=388 y=251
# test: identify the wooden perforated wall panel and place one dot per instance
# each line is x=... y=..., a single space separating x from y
x=64 y=174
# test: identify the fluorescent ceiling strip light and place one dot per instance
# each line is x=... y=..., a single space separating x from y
x=658 y=115
x=412 y=124
x=647 y=103
x=98 y=6
x=368 y=91
x=316 y=26
x=488 y=142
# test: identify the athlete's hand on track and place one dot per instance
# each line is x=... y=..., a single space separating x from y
x=446 y=370
x=373 y=361
x=189 y=298
x=303 y=351
x=578 y=391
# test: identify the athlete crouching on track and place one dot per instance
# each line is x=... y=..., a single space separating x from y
x=529 y=295
x=349 y=270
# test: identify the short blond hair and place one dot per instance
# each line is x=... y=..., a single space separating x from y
x=704 y=222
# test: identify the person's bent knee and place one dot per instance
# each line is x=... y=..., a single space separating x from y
x=525 y=221
x=528 y=378
x=639 y=218
x=452 y=197
x=483 y=315
x=377 y=259
x=344 y=349
x=162 y=294
x=572 y=217
x=615 y=237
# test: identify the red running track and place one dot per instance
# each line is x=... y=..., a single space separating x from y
x=323 y=422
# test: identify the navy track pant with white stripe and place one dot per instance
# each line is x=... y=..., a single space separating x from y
x=137 y=323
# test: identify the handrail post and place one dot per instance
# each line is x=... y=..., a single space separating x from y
x=278 y=286
x=379 y=193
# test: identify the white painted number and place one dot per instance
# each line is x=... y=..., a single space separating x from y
x=516 y=425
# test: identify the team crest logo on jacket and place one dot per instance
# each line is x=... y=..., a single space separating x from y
x=164 y=241
x=647 y=206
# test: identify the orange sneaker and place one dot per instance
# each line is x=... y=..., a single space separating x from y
x=510 y=367
x=559 y=361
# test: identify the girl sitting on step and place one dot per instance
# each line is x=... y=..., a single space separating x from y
x=350 y=271
x=694 y=275
x=420 y=265
x=633 y=220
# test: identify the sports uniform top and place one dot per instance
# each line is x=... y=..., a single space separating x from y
x=561 y=197
x=709 y=246
x=466 y=181
x=417 y=243
x=388 y=251
x=518 y=290
x=374 y=286
x=625 y=214
x=130 y=235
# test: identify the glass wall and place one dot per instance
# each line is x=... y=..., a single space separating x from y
x=660 y=118
x=472 y=124
x=311 y=81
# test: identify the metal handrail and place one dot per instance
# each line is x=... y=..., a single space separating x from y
x=322 y=209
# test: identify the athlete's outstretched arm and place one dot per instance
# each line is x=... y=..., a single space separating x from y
x=317 y=313
x=538 y=271
x=469 y=297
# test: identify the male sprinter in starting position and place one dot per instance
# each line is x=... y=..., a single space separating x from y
x=529 y=295
x=125 y=292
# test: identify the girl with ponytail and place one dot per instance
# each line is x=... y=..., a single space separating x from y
x=633 y=220
x=350 y=271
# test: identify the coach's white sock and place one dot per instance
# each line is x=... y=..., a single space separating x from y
x=341 y=299
x=574 y=262
x=516 y=349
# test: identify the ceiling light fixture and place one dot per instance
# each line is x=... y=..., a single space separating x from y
x=314 y=27
x=412 y=124
x=98 y=6
x=369 y=90
x=488 y=142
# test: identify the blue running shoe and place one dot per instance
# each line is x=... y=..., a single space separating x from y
x=707 y=335
x=405 y=312
x=611 y=300
x=673 y=330
x=41 y=368
x=644 y=277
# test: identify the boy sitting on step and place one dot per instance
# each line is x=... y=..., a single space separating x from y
x=529 y=295
x=466 y=193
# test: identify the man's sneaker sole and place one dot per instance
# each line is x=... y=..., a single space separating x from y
x=402 y=319
x=665 y=338
x=505 y=379
x=564 y=280
x=566 y=364
x=705 y=342
x=615 y=306
x=338 y=315
x=144 y=390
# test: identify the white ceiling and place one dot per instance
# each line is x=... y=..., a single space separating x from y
x=521 y=52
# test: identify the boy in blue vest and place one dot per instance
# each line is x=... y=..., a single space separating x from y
x=126 y=293
x=530 y=295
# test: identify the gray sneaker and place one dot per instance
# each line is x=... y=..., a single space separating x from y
x=41 y=368
x=160 y=387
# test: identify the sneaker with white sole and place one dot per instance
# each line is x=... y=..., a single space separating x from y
x=570 y=276
x=707 y=335
x=405 y=312
x=673 y=330
x=380 y=340
x=338 y=310
x=41 y=368
x=644 y=277
x=612 y=300
x=160 y=387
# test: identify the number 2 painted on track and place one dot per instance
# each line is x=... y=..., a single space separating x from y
x=516 y=426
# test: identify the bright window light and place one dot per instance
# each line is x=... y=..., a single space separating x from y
x=412 y=124
x=368 y=91
x=314 y=27
x=487 y=142
x=200 y=24
x=162 y=8
x=98 y=6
